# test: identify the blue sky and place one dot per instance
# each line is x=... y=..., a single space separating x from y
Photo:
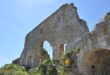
x=18 y=17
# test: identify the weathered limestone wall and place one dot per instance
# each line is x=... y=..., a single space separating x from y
x=60 y=28
x=98 y=38
x=65 y=27
x=97 y=62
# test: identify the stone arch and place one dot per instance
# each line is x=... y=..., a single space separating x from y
x=48 y=47
x=95 y=61
x=41 y=54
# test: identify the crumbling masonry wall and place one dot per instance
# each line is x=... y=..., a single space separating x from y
x=98 y=38
x=65 y=27
x=60 y=28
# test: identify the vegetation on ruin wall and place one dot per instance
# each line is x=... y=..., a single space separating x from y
x=47 y=67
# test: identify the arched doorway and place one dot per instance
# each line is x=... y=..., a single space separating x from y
x=47 y=46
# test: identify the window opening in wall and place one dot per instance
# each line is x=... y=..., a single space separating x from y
x=65 y=48
x=48 y=48
x=62 y=49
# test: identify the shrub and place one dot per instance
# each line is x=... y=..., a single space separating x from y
x=13 y=69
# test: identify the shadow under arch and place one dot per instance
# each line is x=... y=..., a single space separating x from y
x=96 y=62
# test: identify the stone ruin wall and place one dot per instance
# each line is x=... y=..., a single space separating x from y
x=65 y=27
x=60 y=28
x=98 y=38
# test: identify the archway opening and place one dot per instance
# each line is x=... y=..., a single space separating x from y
x=62 y=49
x=47 y=46
x=65 y=45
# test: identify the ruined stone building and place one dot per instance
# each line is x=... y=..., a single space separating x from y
x=65 y=27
